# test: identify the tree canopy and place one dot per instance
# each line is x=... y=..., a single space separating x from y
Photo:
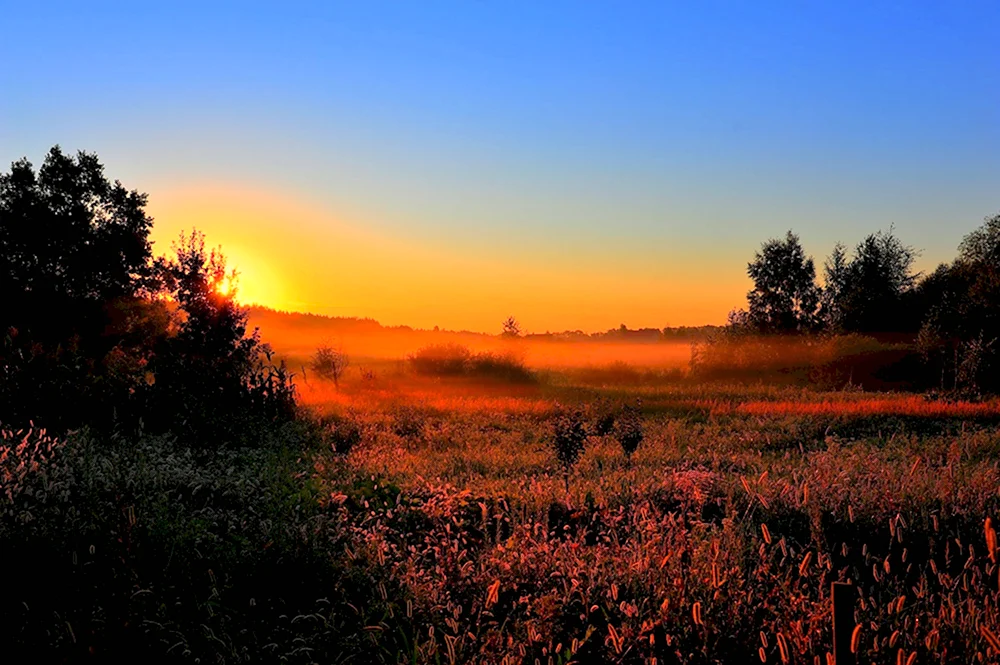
x=785 y=298
x=98 y=331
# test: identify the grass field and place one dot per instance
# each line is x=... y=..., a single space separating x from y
x=427 y=520
x=716 y=542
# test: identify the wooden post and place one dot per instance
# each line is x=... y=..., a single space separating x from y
x=844 y=596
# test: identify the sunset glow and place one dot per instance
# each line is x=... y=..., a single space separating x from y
x=575 y=332
x=462 y=169
x=300 y=257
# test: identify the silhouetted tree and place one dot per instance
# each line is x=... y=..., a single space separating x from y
x=70 y=243
x=961 y=305
x=330 y=363
x=836 y=275
x=785 y=298
x=978 y=267
x=872 y=288
x=511 y=328
x=94 y=331
x=75 y=276
x=210 y=375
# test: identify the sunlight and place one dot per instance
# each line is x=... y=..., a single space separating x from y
x=255 y=281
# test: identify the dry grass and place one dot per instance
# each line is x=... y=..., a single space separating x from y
x=447 y=534
x=718 y=539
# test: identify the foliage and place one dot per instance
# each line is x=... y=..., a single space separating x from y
x=147 y=549
x=569 y=437
x=869 y=292
x=75 y=274
x=211 y=376
x=455 y=360
x=836 y=276
x=454 y=541
x=511 y=328
x=785 y=298
x=441 y=360
x=330 y=363
x=97 y=332
x=628 y=429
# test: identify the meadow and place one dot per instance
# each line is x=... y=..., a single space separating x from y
x=426 y=519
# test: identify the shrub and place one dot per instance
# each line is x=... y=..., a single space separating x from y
x=628 y=429
x=329 y=363
x=456 y=360
x=441 y=360
x=569 y=437
x=500 y=366
x=342 y=433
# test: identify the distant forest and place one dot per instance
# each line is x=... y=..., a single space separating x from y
x=349 y=324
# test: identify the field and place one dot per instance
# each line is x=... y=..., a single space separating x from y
x=716 y=542
x=428 y=520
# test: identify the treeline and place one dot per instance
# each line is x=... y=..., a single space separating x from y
x=96 y=330
x=625 y=334
x=951 y=315
x=267 y=316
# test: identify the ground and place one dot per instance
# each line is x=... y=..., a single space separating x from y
x=427 y=520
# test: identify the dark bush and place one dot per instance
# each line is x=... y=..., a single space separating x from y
x=569 y=438
x=455 y=360
x=628 y=429
x=441 y=360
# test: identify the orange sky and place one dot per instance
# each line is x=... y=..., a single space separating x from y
x=300 y=257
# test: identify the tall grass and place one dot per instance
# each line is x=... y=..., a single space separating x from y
x=423 y=527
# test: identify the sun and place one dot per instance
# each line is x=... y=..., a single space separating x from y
x=251 y=281
x=229 y=285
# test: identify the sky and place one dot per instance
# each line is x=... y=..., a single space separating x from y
x=575 y=164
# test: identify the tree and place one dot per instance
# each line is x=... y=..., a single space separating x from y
x=978 y=265
x=511 y=328
x=960 y=303
x=879 y=277
x=330 y=363
x=96 y=331
x=70 y=242
x=836 y=274
x=76 y=275
x=212 y=379
x=785 y=298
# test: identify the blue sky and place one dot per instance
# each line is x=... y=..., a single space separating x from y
x=626 y=137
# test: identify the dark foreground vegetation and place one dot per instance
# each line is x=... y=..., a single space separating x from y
x=180 y=506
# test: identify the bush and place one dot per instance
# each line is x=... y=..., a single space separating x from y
x=455 y=360
x=569 y=437
x=146 y=549
x=441 y=360
x=500 y=366
x=628 y=429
